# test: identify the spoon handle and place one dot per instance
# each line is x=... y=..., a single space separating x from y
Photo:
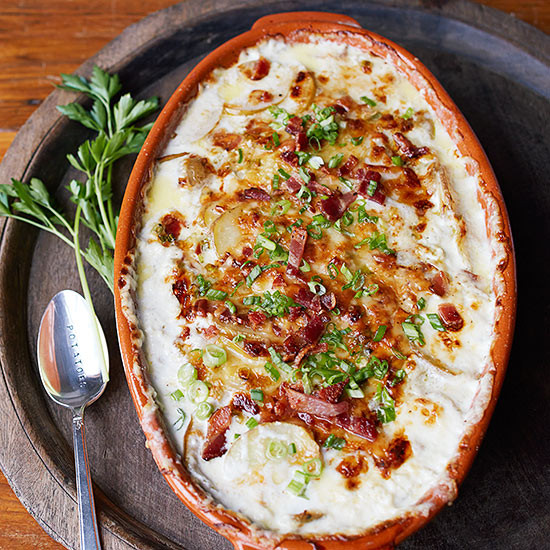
x=89 y=532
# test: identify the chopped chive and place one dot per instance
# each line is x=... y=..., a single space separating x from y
x=236 y=287
x=408 y=113
x=379 y=333
x=304 y=174
x=357 y=140
x=213 y=294
x=398 y=354
x=421 y=303
x=204 y=411
x=346 y=182
x=240 y=155
x=336 y=160
x=398 y=161
x=413 y=332
x=435 y=321
x=253 y=275
x=198 y=392
x=214 y=356
x=371 y=189
x=296 y=488
x=275 y=181
x=257 y=395
x=285 y=175
x=292 y=449
x=176 y=395
x=398 y=377
x=272 y=371
x=231 y=307
x=251 y=423
x=370 y=102
x=179 y=423
x=275 y=138
x=316 y=162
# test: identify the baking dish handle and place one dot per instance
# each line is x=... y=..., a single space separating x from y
x=268 y=21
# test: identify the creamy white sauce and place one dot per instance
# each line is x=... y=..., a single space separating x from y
x=450 y=396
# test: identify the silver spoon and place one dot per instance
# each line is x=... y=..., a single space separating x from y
x=74 y=364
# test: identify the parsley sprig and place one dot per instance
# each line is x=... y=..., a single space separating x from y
x=114 y=120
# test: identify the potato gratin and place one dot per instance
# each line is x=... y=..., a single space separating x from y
x=313 y=282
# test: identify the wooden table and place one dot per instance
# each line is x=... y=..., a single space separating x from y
x=42 y=39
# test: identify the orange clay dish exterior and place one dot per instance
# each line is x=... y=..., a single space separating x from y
x=315 y=288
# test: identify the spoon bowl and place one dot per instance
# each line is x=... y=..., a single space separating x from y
x=73 y=362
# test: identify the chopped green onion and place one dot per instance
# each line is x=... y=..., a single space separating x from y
x=236 y=287
x=316 y=162
x=276 y=450
x=332 y=270
x=357 y=140
x=386 y=407
x=408 y=113
x=275 y=138
x=346 y=182
x=275 y=182
x=304 y=174
x=313 y=468
x=335 y=161
x=314 y=231
x=214 y=356
x=236 y=436
x=355 y=393
x=421 y=303
x=292 y=449
x=368 y=101
x=181 y=420
x=240 y=155
x=413 y=332
x=278 y=360
x=317 y=288
x=266 y=243
x=251 y=423
x=231 y=307
x=296 y=488
x=238 y=338
x=204 y=411
x=371 y=188
x=253 y=275
x=399 y=377
x=379 y=333
x=272 y=371
x=186 y=374
x=398 y=354
x=398 y=161
x=198 y=392
x=213 y=294
x=257 y=395
x=435 y=321
x=176 y=395
x=202 y=284
x=281 y=207
x=346 y=273
x=285 y=175
x=305 y=267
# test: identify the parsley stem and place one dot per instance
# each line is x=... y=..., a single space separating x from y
x=97 y=179
x=47 y=228
x=79 y=263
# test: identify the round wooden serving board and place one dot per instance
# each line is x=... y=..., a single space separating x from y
x=497 y=70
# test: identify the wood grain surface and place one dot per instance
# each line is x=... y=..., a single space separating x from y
x=38 y=41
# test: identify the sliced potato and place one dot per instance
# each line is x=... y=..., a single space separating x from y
x=242 y=95
x=227 y=232
x=247 y=459
x=302 y=91
x=201 y=117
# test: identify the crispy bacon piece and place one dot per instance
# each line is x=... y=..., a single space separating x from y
x=242 y=402
x=293 y=184
x=331 y=394
x=180 y=289
x=408 y=150
x=261 y=69
x=290 y=157
x=296 y=250
x=256 y=318
x=318 y=188
x=328 y=300
x=172 y=225
x=218 y=424
x=226 y=141
x=294 y=126
x=359 y=425
x=255 y=349
x=348 y=166
x=364 y=178
x=303 y=403
x=306 y=298
x=314 y=329
x=259 y=131
x=254 y=193
x=301 y=141
x=450 y=317
x=343 y=105
x=334 y=206
x=440 y=284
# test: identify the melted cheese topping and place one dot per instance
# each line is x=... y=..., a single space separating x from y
x=423 y=383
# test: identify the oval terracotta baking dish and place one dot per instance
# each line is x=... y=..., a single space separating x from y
x=294 y=27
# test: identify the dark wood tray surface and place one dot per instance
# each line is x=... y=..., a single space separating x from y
x=497 y=69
